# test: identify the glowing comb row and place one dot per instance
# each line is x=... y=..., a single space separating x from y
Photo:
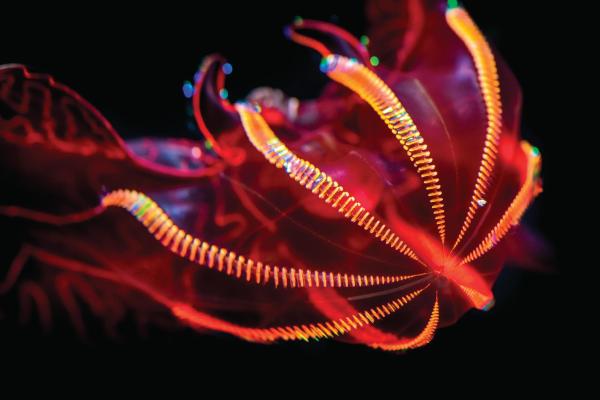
x=464 y=27
x=319 y=330
x=511 y=216
x=180 y=242
x=421 y=339
x=382 y=99
x=315 y=180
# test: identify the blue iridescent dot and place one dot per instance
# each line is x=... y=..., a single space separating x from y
x=328 y=64
x=224 y=93
x=188 y=89
x=137 y=204
x=197 y=76
x=227 y=68
x=324 y=65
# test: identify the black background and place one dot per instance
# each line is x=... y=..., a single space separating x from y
x=131 y=65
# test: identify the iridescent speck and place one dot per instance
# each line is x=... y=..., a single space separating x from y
x=489 y=305
x=227 y=68
x=188 y=89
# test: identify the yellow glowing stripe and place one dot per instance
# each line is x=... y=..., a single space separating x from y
x=382 y=99
x=181 y=243
x=464 y=27
x=319 y=330
x=315 y=180
x=421 y=339
x=511 y=217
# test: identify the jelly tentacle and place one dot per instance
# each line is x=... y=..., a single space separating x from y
x=516 y=209
x=353 y=45
x=424 y=337
x=318 y=330
x=383 y=100
x=318 y=182
x=487 y=75
x=178 y=241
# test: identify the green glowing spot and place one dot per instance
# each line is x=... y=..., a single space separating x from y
x=224 y=93
x=535 y=151
x=452 y=4
x=364 y=39
x=324 y=67
x=374 y=61
x=143 y=210
x=298 y=20
x=208 y=145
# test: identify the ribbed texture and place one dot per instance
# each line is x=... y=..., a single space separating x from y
x=382 y=99
x=317 y=181
x=221 y=259
x=487 y=75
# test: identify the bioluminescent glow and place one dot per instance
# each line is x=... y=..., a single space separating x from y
x=374 y=214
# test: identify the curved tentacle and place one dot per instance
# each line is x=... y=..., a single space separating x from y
x=33 y=297
x=315 y=180
x=341 y=40
x=185 y=245
x=208 y=104
x=512 y=215
x=318 y=330
x=382 y=99
x=464 y=27
x=424 y=337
